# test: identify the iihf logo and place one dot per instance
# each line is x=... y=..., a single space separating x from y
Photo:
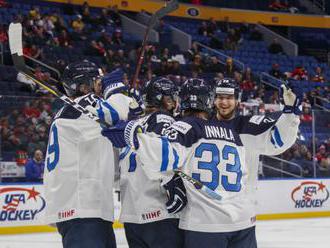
x=310 y=195
x=20 y=204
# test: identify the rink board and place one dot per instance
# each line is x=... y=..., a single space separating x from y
x=22 y=206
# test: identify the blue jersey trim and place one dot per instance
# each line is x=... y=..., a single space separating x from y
x=278 y=137
x=22 y=183
x=176 y=159
x=100 y=113
x=165 y=153
x=124 y=153
x=114 y=114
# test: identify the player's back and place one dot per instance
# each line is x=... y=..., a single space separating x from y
x=79 y=167
x=142 y=199
x=217 y=158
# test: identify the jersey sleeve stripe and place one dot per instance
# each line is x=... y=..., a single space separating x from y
x=132 y=162
x=278 y=137
x=165 y=154
x=176 y=159
x=100 y=113
x=114 y=114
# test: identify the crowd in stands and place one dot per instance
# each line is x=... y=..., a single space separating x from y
x=58 y=37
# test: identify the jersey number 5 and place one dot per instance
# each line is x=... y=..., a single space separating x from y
x=214 y=163
x=53 y=149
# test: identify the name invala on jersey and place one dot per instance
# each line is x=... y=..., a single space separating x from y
x=219 y=133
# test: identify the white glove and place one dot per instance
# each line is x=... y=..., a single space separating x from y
x=288 y=96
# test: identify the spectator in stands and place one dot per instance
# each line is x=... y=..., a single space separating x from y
x=306 y=116
x=319 y=76
x=277 y=5
x=96 y=49
x=104 y=19
x=162 y=69
x=212 y=27
x=197 y=64
x=233 y=38
x=34 y=168
x=85 y=13
x=78 y=25
x=203 y=30
x=120 y=59
x=299 y=73
x=34 y=13
x=214 y=65
x=321 y=154
x=176 y=69
x=35 y=52
x=105 y=38
x=248 y=83
x=193 y=51
x=230 y=68
x=3 y=34
x=165 y=54
x=275 y=71
x=114 y=15
x=64 y=39
x=117 y=37
x=275 y=47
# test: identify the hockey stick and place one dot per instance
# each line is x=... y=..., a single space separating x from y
x=170 y=7
x=16 y=48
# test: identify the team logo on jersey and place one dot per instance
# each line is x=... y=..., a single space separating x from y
x=310 y=194
x=20 y=204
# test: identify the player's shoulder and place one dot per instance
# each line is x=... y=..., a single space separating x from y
x=187 y=130
x=160 y=117
x=69 y=112
x=255 y=124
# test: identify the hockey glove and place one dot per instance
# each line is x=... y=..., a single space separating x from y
x=136 y=108
x=292 y=101
x=176 y=192
x=124 y=134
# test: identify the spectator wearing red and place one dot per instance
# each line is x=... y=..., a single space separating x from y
x=3 y=34
x=306 y=115
x=276 y=5
x=299 y=73
x=321 y=154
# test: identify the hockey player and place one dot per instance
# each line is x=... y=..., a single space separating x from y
x=149 y=216
x=79 y=163
x=219 y=154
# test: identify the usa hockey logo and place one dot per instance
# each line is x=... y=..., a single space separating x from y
x=310 y=195
x=20 y=204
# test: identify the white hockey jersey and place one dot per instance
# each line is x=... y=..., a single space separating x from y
x=79 y=168
x=223 y=156
x=142 y=199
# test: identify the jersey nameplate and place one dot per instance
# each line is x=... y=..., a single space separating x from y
x=181 y=126
x=164 y=118
x=256 y=119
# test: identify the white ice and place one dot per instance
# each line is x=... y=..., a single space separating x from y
x=298 y=233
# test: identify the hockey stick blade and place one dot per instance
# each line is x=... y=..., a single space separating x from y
x=198 y=185
x=170 y=7
x=15 y=44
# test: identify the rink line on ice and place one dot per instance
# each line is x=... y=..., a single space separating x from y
x=282 y=216
x=293 y=215
x=37 y=229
